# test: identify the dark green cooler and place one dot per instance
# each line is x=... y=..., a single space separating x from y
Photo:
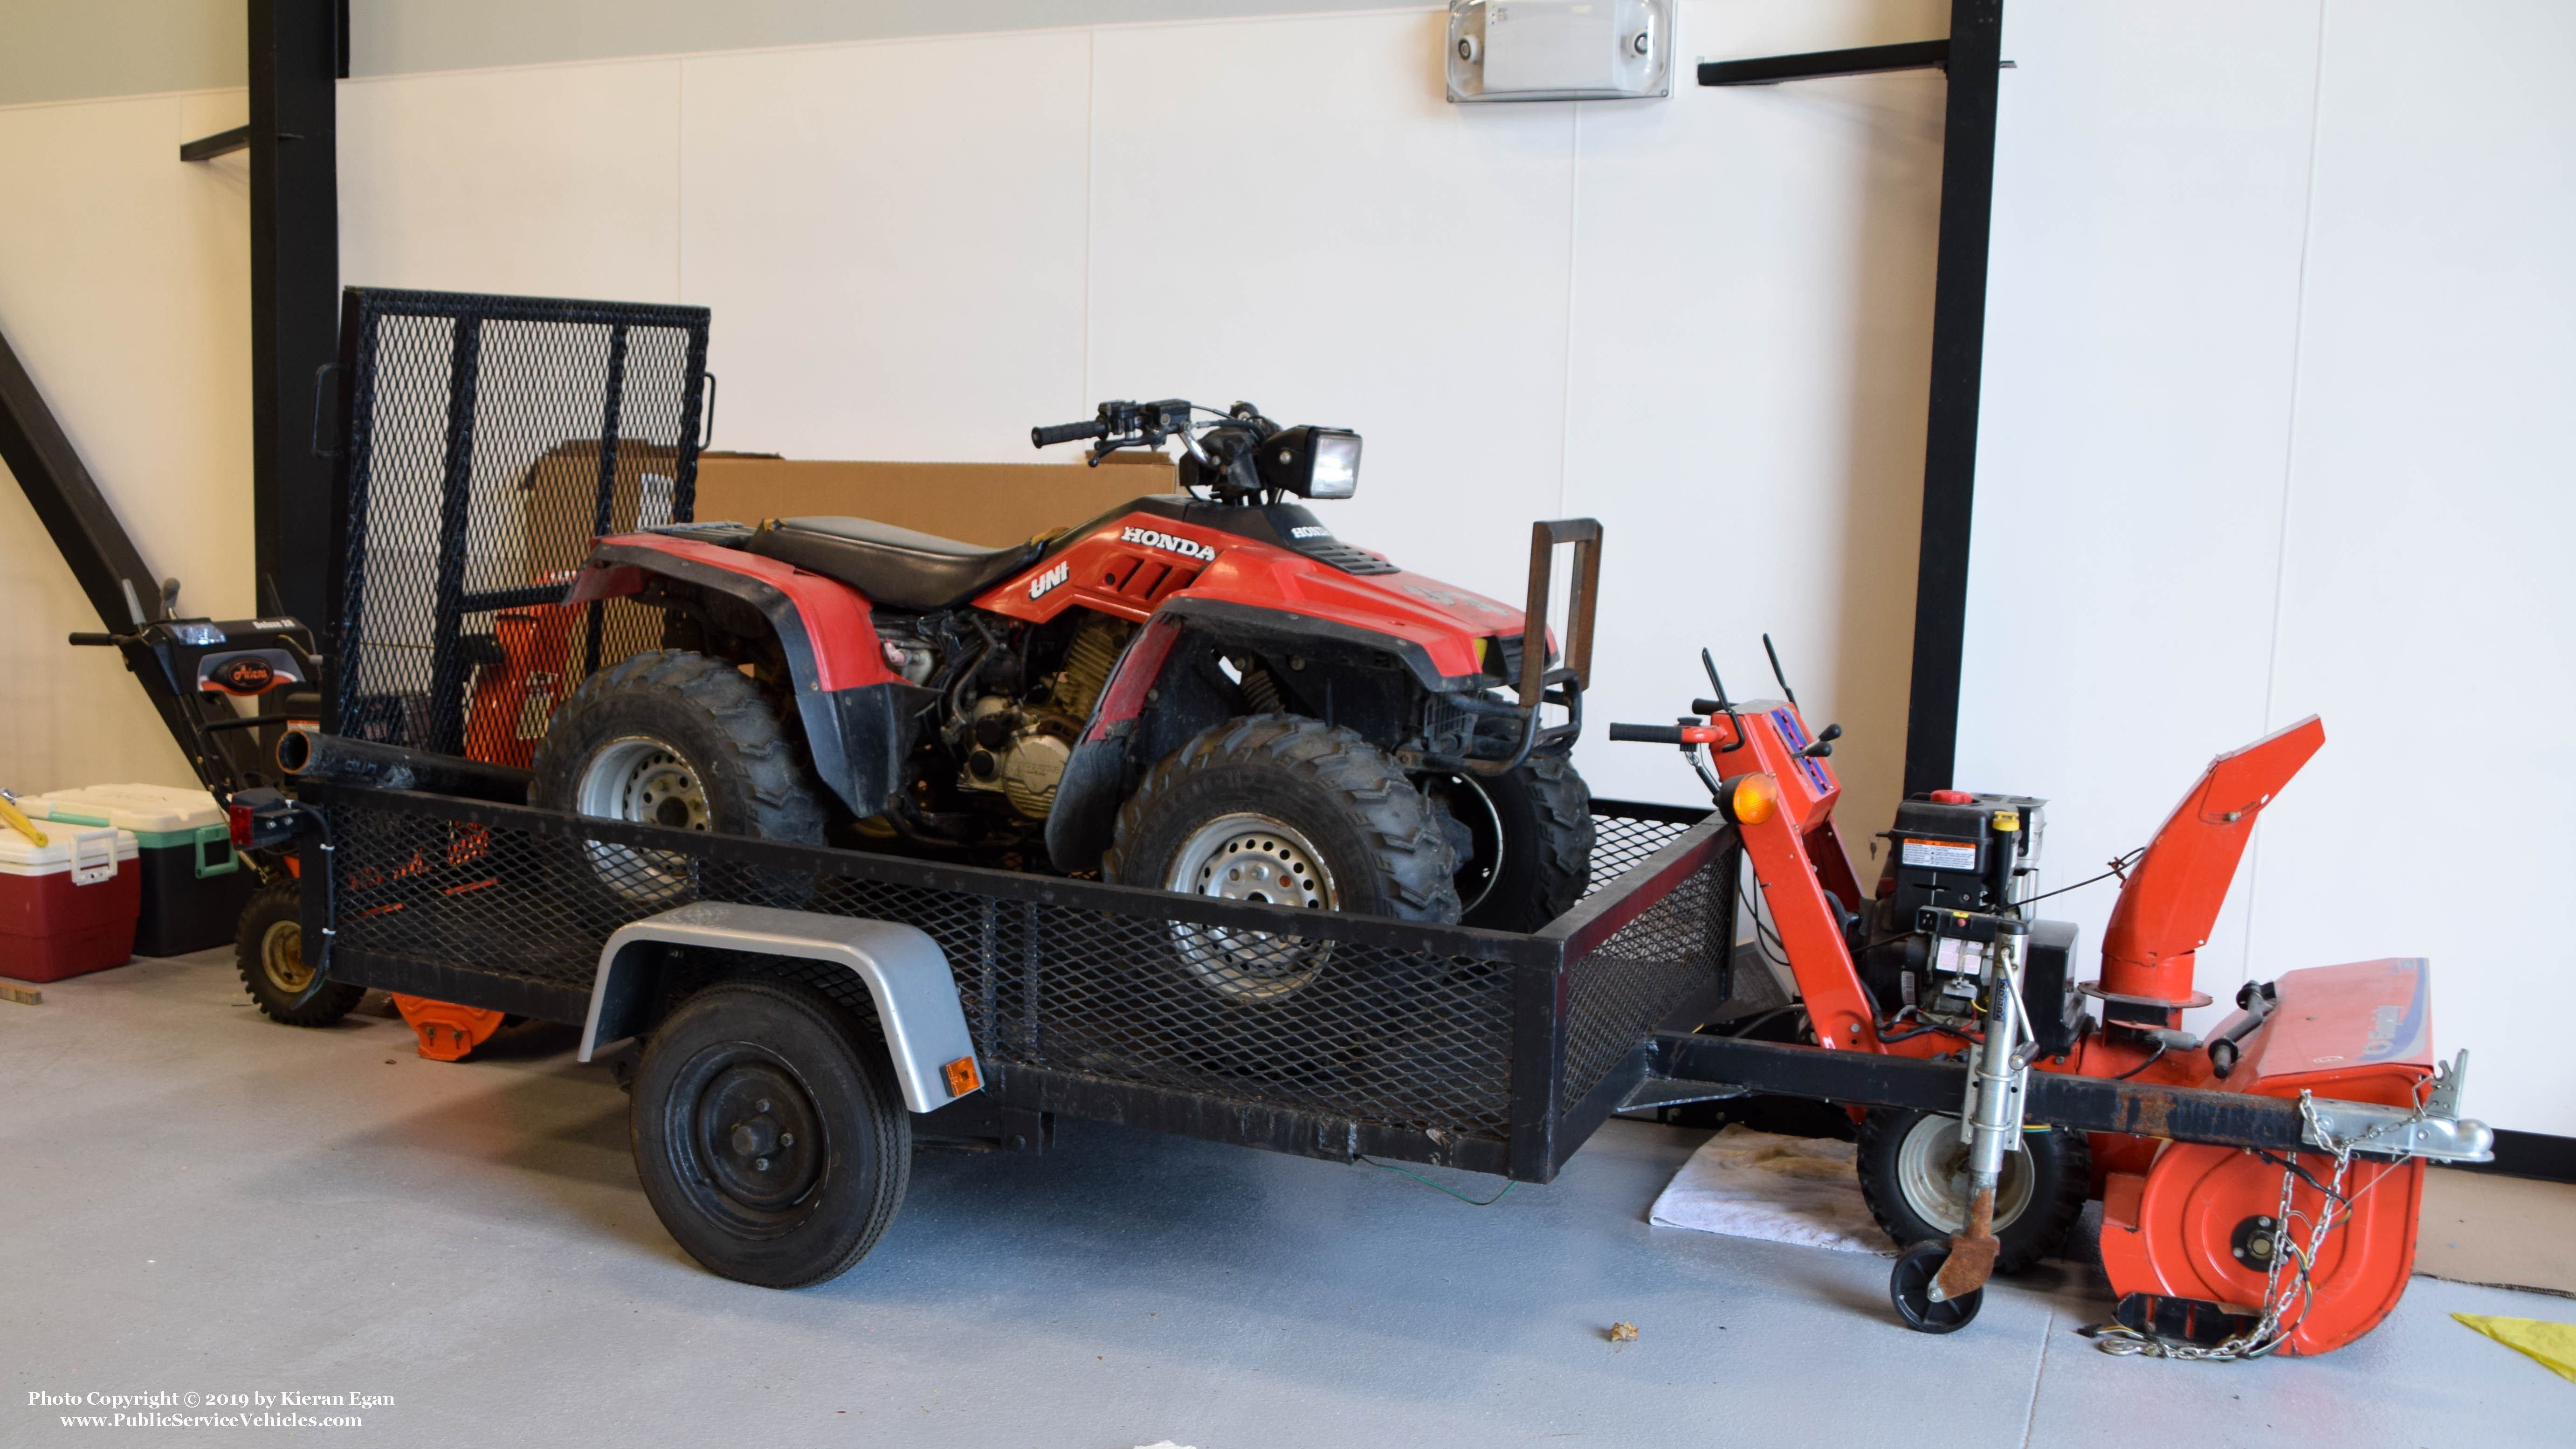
x=194 y=887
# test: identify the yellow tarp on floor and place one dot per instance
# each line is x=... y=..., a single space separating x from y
x=2554 y=1344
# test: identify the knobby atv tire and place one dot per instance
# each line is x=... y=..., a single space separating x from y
x=1383 y=842
x=769 y=1133
x=1546 y=814
x=268 y=949
x=2061 y=1163
x=703 y=710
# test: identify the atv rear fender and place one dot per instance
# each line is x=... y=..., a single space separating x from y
x=858 y=715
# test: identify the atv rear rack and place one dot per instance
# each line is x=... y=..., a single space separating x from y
x=1563 y=685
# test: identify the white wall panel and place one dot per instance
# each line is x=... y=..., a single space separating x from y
x=1288 y=211
x=1752 y=331
x=561 y=182
x=2150 y=201
x=891 y=236
x=124 y=288
x=2424 y=597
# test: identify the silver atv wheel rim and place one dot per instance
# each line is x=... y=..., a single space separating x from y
x=1249 y=857
x=1932 y=1172
x=641 y=780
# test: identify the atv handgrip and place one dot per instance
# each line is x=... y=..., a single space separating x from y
x=1646 y=734
x=93 y=639
x=1066 y=433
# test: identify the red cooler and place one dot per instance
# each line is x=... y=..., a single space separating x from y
x=69 y=905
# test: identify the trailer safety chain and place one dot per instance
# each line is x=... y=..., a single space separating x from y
x=2269 y=1332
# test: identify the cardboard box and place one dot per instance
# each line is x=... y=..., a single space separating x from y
x=562 y=489
x=993 y=505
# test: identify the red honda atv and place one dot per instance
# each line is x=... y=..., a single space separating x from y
x=1203 y=691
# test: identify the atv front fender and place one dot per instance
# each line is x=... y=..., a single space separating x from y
x=858 y=716
x=1085 y=814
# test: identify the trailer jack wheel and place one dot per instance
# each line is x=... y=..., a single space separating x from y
x=1910 y=1286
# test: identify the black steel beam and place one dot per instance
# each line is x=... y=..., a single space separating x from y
x=222 y=143
x=1770 y=70
x=297 y=52
x=1242 y=1123
x=66 y=498
x=2082 y=1104
x=1950 y=424
x=445 y=981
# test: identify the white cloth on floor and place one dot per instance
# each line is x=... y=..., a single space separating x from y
x=1750 y=1184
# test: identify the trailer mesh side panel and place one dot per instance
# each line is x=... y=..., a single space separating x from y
x=1351 y=1029
x=1626 y=986
x=1620 y=841
x=487 y=441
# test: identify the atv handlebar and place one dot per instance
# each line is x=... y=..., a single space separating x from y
x=1048 y=437
x=1645 y=734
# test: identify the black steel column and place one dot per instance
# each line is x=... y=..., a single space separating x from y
x=1958 y=357
x=297 y=50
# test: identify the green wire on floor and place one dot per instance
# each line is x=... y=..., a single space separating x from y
x=1453 y=1192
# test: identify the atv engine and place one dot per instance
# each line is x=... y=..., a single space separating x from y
x=1018 y=746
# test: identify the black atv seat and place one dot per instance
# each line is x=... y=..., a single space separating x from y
x=895 y=567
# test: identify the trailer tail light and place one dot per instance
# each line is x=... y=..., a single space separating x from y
x=259 y=819
x=961 y=1076
x=1749 y=799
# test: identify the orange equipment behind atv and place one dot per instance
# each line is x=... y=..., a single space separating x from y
x=2213 y=1250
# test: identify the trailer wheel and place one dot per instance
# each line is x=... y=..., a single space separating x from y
x=1914 y=1174
x=1283 y=810
x=677 y=739
x=1530 y=842
x=268 y=949
x=772 y=1144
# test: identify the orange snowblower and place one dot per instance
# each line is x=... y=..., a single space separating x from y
x=2260 y=1187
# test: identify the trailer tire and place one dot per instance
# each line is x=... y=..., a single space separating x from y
x=669 y=737
x=1329 y=821
x=1910 y=1160
x=268 y=950
x=1531 y=831
x=769 y=1134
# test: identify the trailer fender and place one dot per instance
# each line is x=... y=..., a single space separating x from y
x=906 y=974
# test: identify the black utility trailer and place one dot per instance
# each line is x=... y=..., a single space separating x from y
x=1483 y=1050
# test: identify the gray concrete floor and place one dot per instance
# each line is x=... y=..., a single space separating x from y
x=196 y=1200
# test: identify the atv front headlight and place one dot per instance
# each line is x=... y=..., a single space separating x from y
x=1312 y=462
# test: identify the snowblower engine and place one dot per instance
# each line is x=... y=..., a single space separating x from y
x=1952 y=852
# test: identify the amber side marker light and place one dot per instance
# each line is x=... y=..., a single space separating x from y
x=1749 y=799
x=961 y=1076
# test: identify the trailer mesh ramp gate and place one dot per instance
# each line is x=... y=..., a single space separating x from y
x=488 y=440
